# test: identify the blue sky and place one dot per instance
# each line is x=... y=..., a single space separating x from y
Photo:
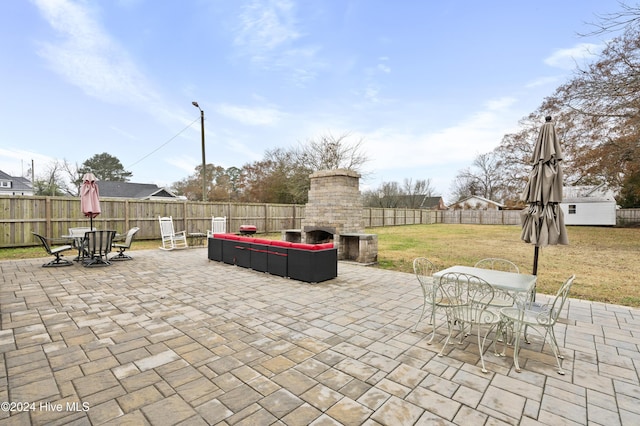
x=426 y=85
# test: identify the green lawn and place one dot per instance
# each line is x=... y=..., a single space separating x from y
x=604 y=259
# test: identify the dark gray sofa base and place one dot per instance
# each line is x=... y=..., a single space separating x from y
x=303 y=262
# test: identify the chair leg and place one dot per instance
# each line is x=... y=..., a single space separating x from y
x=449 y=332
x=555 y=349
x=121 y=256
x=58 y=261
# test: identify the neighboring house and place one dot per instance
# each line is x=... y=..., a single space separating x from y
x=433 y=203
x=140 y=191
x=14 y=185
x=588 y=205
x=476 y=203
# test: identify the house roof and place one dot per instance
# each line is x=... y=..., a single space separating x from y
x=133 y=190
x=587 y=194
x=432 y=203
x=478 y=198
x=19 y=183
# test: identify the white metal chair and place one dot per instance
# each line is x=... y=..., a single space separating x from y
x=170 y=238
x=218 y=225
x=468 y=297
x=125 y=245
x=540 y=319
x=424 y=269
x=500 y=299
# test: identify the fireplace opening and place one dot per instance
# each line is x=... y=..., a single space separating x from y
x=317 y=235
x=350 y=247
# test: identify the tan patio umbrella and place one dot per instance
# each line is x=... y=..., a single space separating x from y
x=90 y=197
x=543 y=220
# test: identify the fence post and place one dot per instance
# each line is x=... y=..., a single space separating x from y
x=47 y=219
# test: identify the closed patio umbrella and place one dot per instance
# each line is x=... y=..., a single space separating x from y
x=543 y=219
x=89 y=197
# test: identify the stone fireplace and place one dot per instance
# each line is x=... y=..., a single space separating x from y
x=333 y=213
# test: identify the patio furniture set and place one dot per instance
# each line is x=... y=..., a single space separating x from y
x=93 y=247
x=491 y=295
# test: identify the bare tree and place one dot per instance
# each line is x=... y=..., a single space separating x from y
x=415 y=193
x=52 y=181
x=327 y=152
x=483 y=179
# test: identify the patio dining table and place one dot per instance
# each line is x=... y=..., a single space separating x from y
x=518 y=286
x=76 y=236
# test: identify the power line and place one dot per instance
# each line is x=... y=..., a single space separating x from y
x=164 y=144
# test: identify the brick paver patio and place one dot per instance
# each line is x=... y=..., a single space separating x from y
x=172 y=338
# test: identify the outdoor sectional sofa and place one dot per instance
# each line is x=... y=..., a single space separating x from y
x=304 y=262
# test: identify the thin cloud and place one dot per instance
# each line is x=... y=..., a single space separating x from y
x=268 y=34
x=250 y=116
x=266 y=26
x=87 y=57
x=568 y=59
x=478 y=133
x=9 y=158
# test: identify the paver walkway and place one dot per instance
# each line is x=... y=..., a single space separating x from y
x=172 y=338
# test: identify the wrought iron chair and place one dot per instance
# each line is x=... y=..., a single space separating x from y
x=126 y=245
x=540 y=319
x=500 y=298
x=170 y=238
x=218 y=225
x=469 y=297
x=54 y=251
x=98 y=246
x=424 y=269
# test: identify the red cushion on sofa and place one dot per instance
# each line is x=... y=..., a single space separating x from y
x=304 y=246
x=325 y=246
x=280 y=243
x=262 y=241
x=222 y=236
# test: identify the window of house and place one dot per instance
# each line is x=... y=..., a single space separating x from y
x=572 y=209
x=5 y=184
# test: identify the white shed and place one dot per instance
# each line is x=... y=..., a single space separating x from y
x=588 y=205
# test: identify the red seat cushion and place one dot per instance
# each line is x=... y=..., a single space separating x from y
x=279 y=243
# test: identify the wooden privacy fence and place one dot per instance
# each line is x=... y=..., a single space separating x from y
x=53 y=216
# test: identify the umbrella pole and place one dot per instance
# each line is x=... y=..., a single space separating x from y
x=535 y=269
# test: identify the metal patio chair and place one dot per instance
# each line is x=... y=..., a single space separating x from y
x=98 y=246
x=125 y=245
x=54 y=251
x=542 y=320
x=469 y=297
x=500 y=298
x=424 y=269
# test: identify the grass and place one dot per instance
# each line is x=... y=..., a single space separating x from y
x=605 y=260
